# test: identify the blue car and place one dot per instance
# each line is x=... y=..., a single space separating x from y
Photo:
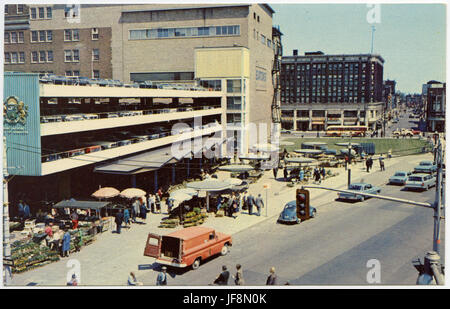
x=359 y=187
x=399 y=178
x=289 y=213
x=425 y=167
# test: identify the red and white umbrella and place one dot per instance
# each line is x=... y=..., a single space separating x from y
x=132 y=193
x=106 y=192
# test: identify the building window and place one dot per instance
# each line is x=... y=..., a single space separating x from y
x=6 y=9
x=49 y=56
x=145 y=34
x=75 y=35
x=42 y=56
x=49 y=35
x=72 y=73
x=34 y=36
x=68 y=56
x=13 y=37
x=7 y=58
x=20 y=9
x=76 y=55
x=42 y=36
x=33 y=13
x=95 y=74
x=21 y=57
x=14 y=57
x=95 y=55
x=67 y=35
x=41 y=13
x=20 y=40
x=7 y=36
x=234 y=85
x=34 y=57
x=94 y=33
x=71 y=35
x=49 y=12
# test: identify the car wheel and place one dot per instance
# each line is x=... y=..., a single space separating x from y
x=196 y=264
x=361 y=199
x=298 y=221
x=224 y=250
x=314 y=213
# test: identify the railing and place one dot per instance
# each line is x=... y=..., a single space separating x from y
x=114 y=144
x=124 y=113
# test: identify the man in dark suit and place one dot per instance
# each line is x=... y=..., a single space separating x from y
x=250 y=202
x=222 y=279
x=119 y=220
x=259 y=204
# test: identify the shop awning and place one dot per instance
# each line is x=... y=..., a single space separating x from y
x=81 y=204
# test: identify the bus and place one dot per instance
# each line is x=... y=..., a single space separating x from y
x=346 y=131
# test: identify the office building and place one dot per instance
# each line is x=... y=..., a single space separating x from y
x=320 y=90
x=435 y=106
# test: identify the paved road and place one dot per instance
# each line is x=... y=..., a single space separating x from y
x=333 y=248
x=404 y=122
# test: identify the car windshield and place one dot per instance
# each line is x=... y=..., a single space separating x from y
x=290 y=206
x=400 y=174
x=415 y=178
x=355 y=187
x=425 y=163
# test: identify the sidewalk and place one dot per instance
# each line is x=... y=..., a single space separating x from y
x=111 y=257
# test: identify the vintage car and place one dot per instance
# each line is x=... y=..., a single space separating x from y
x=399 y=178
x=425 y=167
x=187 y=247
x=359 y=187
x=420 y=182
x=289 y=213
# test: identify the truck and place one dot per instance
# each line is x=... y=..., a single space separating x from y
x=187 y=247
x=404 y=132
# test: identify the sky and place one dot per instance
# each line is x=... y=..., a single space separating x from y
x=411 y=38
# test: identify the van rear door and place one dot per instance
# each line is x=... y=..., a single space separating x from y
x=153 y=245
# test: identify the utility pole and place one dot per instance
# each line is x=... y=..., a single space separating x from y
x=6 y=237
x=349 y=164
x=371 y=46
x=438 y=199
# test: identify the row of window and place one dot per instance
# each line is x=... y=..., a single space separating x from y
x=262 y=38
x=47 y=56
x=41 y=12
x=73 y=35
x=145 y=34
x=14 y=37
x=20 y=9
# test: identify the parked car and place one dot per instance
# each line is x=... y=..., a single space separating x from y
x=425 y=167
x=359 y=187
x=187 y=247
x=420 y=181
x=289 y=213
x=399 y=178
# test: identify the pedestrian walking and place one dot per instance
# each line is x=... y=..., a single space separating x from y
x=367 y=164
x=119 y=220
x=323 y=172
x=162 y=276
x=74 y=217
x=251 y=202
x=245 y=201
x=136 y=209
x=239 y=277
x=317 y=175
x=169 y=203
x=381 y=160
x=346 y=161
x=143 y=212
x=222 y=279
x=65 y=244
x=73 y=281
x=259 y=204
x=126 y=217
x=158 y=202
x=275 y=172
x=272 y=278
x=151 y=202
x=285 y=173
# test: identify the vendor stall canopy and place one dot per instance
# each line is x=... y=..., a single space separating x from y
x=81 y=204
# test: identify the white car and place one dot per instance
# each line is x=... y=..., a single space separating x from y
x=420 y=181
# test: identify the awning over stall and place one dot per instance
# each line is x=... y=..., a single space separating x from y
x=81 y=204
